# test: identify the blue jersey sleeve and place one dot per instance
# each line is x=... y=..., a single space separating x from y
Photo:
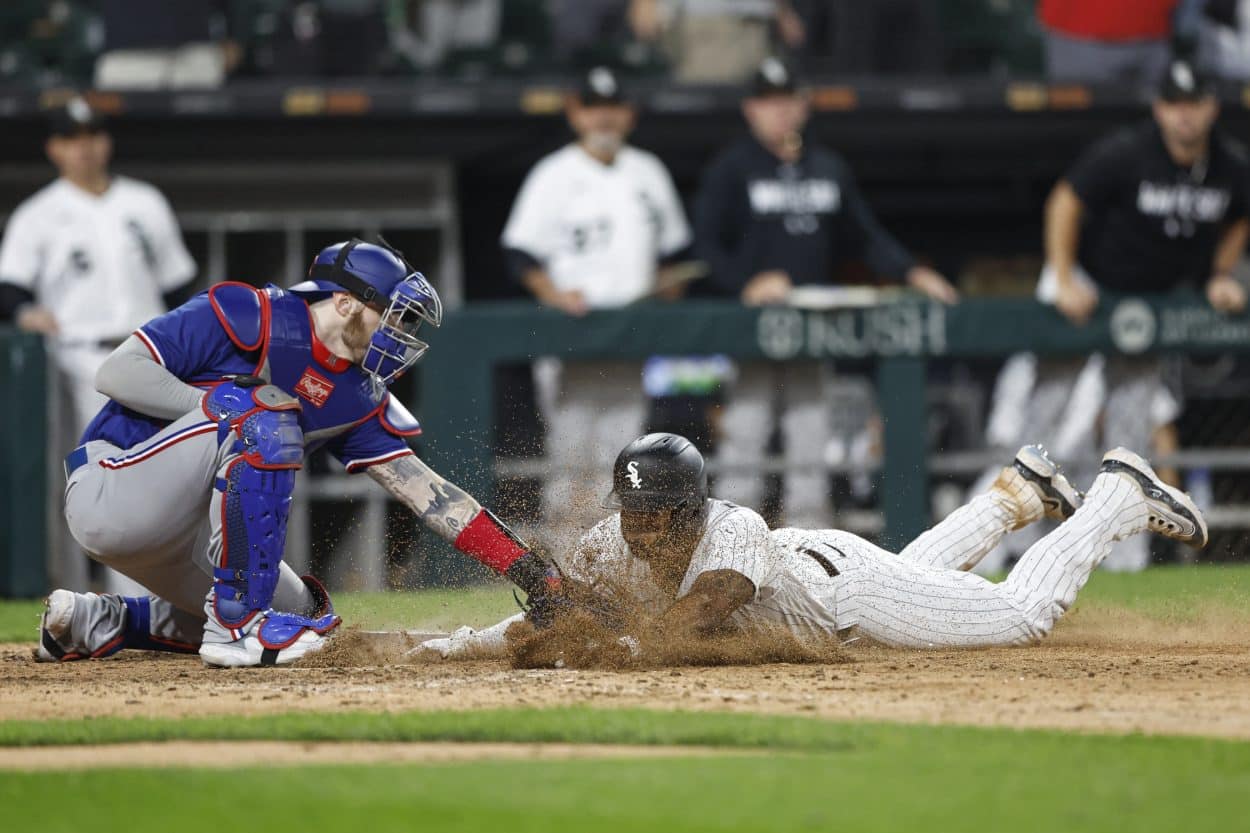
x=191 y=342
x=381 y=438
x=368 y=444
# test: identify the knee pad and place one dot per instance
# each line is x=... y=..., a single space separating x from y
x=256 y=491
x=265 y=420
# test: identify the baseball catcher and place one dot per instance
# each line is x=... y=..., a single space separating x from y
x=183 y=480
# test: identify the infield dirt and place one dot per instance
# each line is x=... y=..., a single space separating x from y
x=1100 y=672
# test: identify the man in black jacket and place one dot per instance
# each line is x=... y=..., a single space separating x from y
x=1157 y=206
x=773 y=213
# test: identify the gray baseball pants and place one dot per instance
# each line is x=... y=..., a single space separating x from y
x=151 y=512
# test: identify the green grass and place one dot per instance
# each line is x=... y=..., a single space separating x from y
x=1173 y=593
x=19 y=619
x=862 y=777
x=427 y=609
x=565 y=725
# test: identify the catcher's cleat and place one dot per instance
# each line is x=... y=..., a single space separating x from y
x=1059 y=497
x=267 y=637
x=1172 y=513
x=54 y=627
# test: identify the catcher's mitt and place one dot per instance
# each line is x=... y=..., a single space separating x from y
x=563 y=595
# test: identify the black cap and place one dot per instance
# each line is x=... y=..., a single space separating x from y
x=601 y=86
x=774 y=77
x=1185 y=82
x=74 y=117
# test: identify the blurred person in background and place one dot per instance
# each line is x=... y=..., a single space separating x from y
x=884 y=37
x=1107 y=41
x=1220 y=33
x=1154 y=207
x=775 y=212
x=154 y=44
x=711 y=41
x=578 y=26
x=593 y=227
x=427 y=31
x=86 y=260
x=308 y=38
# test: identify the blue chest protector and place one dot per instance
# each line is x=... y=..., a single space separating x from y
x=335 y=394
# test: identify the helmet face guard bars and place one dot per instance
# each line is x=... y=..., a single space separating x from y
x=394 y=346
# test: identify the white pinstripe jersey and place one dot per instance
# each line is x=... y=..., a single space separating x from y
x=100 y=263
x=792 y=588
x=597 y=228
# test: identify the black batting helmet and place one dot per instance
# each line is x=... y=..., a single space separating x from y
x=658 y=471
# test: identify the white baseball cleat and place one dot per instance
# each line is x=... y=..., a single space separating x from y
x=1059 y=497
x=1172 y=513
x=265 y=639
x=54 y=625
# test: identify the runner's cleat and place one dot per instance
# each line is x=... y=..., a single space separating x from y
x=1172 y=513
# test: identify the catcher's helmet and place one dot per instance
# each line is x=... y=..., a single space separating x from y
x=658 y=471
x=370 y=271
x=379 y=276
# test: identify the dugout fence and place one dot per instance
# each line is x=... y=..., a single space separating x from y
x=906 y=341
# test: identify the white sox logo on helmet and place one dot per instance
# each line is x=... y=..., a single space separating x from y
x=634 y=478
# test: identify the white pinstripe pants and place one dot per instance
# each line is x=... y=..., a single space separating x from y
x=921 y=598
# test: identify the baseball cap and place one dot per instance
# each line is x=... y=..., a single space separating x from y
x=1184 y=82
x=773 y=77
x=74 y=117
x=601 y=86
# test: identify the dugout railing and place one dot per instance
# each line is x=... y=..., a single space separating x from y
x=901 y=339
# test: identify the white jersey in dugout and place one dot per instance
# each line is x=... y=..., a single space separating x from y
x=100 y=263
x=599 y=228
x=794 y=588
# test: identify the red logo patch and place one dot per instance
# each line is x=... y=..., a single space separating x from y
x=314 y=387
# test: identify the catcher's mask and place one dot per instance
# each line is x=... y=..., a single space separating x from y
x=380 y=277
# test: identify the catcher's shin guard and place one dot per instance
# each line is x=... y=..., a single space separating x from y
x=256 y=491
x=255 y=506
x=255 y=486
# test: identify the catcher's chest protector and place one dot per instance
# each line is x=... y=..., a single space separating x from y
x=334 y=394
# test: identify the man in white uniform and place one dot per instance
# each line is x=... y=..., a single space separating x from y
x=592 y=226
x=700 y=564
x=89 y=257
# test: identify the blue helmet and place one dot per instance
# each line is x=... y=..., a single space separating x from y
x=380 y=277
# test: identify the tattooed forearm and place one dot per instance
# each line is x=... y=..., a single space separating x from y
x=443 y=506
